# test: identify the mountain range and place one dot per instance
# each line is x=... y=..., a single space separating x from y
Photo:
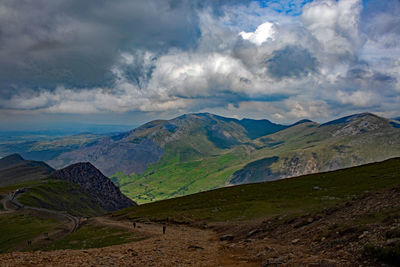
x=196 y=152
x=14 y=169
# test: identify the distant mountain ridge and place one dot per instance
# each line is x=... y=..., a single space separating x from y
x=345 y=142
x=10 y=160
x=194 y=152
x=133 y=151
x=14 y=169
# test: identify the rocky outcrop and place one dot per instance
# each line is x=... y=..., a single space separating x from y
x=299 y=164
x=260 y=170
x=356 y=124
x=98 y=186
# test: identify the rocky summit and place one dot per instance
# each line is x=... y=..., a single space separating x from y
x=100 y=187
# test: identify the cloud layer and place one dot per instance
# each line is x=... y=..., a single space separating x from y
x=323 y=59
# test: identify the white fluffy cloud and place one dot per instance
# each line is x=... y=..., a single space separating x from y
x=263 y=32
x=358 y=98
x=334 y=24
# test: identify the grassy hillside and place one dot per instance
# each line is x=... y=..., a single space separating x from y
x=14 y=169
x=94 y=235
x=22 y=226
x=174 y=177
x=284 y=197
x=55 y=195
x=196 y=152
x=17 y=228
x=195 y=162
x=62 y=196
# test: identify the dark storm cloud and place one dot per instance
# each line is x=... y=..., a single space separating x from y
x=45 y=43
x=291 y=61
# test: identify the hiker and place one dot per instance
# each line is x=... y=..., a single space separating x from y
x=164 y=228
x=29 y=242
x=134 y=224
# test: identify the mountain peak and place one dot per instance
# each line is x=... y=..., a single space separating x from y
x=301 y=122
x=350 y=118
x=11 y=160
x=82 y=166
x=357 y=124
x=15 y=156
x=14 y=169
x=98 y=186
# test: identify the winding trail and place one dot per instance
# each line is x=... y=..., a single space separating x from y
x=179 y=246
x=11 y=198
x=68 y=223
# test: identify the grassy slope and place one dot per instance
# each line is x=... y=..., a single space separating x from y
x=191 y=161
x=61 y=195
x=175 y=178
x=55 y=195
x=24 y=171
x=93 y=235
x=191 y=165
x=17 y=228
x=13 y=187
x=288 y=196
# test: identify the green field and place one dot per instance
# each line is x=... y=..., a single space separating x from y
x=61 y=195
x=283 y=197
x=174 y=177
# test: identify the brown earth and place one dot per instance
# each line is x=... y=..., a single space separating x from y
x=180 y=246
x=332 y=237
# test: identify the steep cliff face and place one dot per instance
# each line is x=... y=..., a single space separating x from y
x=98 y=186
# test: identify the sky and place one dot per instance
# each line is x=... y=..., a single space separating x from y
x=131 y=61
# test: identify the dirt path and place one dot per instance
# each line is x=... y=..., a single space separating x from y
x=179 y=246
x=69 y=223
x=10 y=204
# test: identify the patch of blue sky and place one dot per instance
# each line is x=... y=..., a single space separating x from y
x=288 y=7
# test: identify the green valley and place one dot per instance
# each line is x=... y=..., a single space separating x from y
x=193 y=162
